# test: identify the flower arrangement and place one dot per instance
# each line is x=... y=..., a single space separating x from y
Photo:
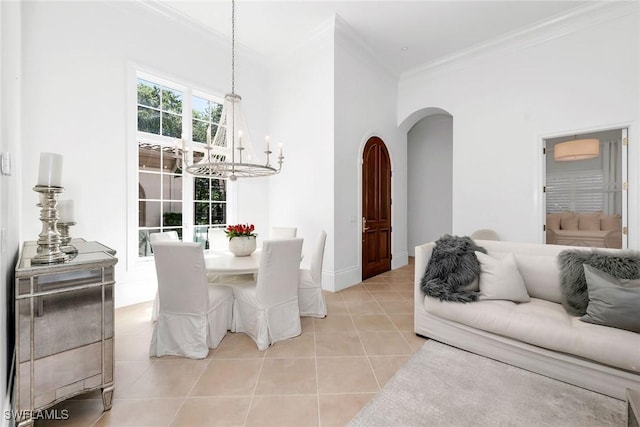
x=240 y=230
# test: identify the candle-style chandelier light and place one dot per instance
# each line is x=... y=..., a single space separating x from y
x=229 y=155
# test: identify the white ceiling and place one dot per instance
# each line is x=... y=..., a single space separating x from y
x=430 y=30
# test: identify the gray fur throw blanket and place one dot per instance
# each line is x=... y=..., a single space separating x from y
x=573 y=285
x=452 y=267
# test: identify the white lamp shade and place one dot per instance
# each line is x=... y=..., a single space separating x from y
x=579 y=149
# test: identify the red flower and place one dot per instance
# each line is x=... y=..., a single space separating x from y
x=240 y=230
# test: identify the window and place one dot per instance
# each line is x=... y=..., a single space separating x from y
x=577 y=191
x=169 y=199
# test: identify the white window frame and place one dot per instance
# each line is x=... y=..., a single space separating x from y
x=134 y=136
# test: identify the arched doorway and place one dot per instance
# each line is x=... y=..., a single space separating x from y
x=376 y=208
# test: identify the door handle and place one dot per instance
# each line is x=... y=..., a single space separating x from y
x=364 y=224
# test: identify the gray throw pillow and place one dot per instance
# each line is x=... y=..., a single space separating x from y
x=612 y=302
x=620 y=264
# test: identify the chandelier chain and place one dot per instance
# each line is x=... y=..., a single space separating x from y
x=233 y=46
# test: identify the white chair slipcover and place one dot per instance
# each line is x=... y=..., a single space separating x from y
x=193 y=316
x=266 y=309
x=283 y=233
x=310 y=298
x=484 y=234
x=217 y=239
x=165 y=236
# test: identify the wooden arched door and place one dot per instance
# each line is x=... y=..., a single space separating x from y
x=376 y=208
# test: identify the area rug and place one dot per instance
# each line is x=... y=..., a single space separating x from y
x=444 y=386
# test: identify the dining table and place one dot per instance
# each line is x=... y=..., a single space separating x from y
x=224 y=262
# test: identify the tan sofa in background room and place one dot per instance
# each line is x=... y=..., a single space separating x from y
x=592 y=229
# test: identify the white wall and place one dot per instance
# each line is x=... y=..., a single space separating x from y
x=10 y=219
x=301 y=117
x=429 y=178
x=79 y=60
x=577 y=75
x=365 y=106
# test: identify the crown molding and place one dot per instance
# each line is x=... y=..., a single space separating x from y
x=347 y=37
x=164 y=9
x=591 y=14
x=309 y=46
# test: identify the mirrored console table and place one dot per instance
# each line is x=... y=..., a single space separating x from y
x=64 y=319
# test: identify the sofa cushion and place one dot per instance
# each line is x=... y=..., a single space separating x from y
x=545 y=324
x=612 y=302
x=610 y=222
x=500 y=279
x=589 y=221
x=573 y=285
x=569 y=221
x=553 y=221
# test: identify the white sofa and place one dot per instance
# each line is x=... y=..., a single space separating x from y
x=538 y=335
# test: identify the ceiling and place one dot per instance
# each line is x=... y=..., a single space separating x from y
x=428 y=30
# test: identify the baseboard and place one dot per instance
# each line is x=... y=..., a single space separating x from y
x=341 y=279
x=400 y=259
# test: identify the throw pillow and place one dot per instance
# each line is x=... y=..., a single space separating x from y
x=573 y=285
x=610 y=222
x=589 y=221
x=612 y=302
x=500 y=279
x=569 y=221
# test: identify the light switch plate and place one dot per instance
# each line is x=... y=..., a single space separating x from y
x=5 y=163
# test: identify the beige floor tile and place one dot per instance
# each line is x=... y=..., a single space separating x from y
x=336 y=307
x=377 y=286
x=141 y=412
x=375 y=279
x=238 y=346
x=345 y=375
x=356 y=307
x=164 y=378
x=337 y=323
x=381 y=296
x=301 y=346
x=338 y=344
x=127 y=373
x=397 y=307
x=337 y=410
x=283 y=411
x=213 y=411
x=361 y=296
x=75 y=413
x=385 y=344
x=414 y=341
x=132 y=347
x=331 y=296
x=307 y=325
x=287 y=376
x=404 y=322
x=228 y=377
x=385 y=367
x=373 y=322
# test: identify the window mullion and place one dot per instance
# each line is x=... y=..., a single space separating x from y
x=187 y=181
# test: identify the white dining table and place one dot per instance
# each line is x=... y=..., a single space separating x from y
x=224 y=262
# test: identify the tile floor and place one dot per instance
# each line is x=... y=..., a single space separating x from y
x=321 y=378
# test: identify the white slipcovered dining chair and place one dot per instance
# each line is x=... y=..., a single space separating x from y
x=193 y=316
x=310 y=298
x=217 y=239
x=283 y=233
x=266 y=309
x=165 y=236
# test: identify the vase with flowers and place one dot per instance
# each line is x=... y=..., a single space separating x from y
x=242 y=239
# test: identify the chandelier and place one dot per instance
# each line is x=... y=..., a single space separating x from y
x=229 y=154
